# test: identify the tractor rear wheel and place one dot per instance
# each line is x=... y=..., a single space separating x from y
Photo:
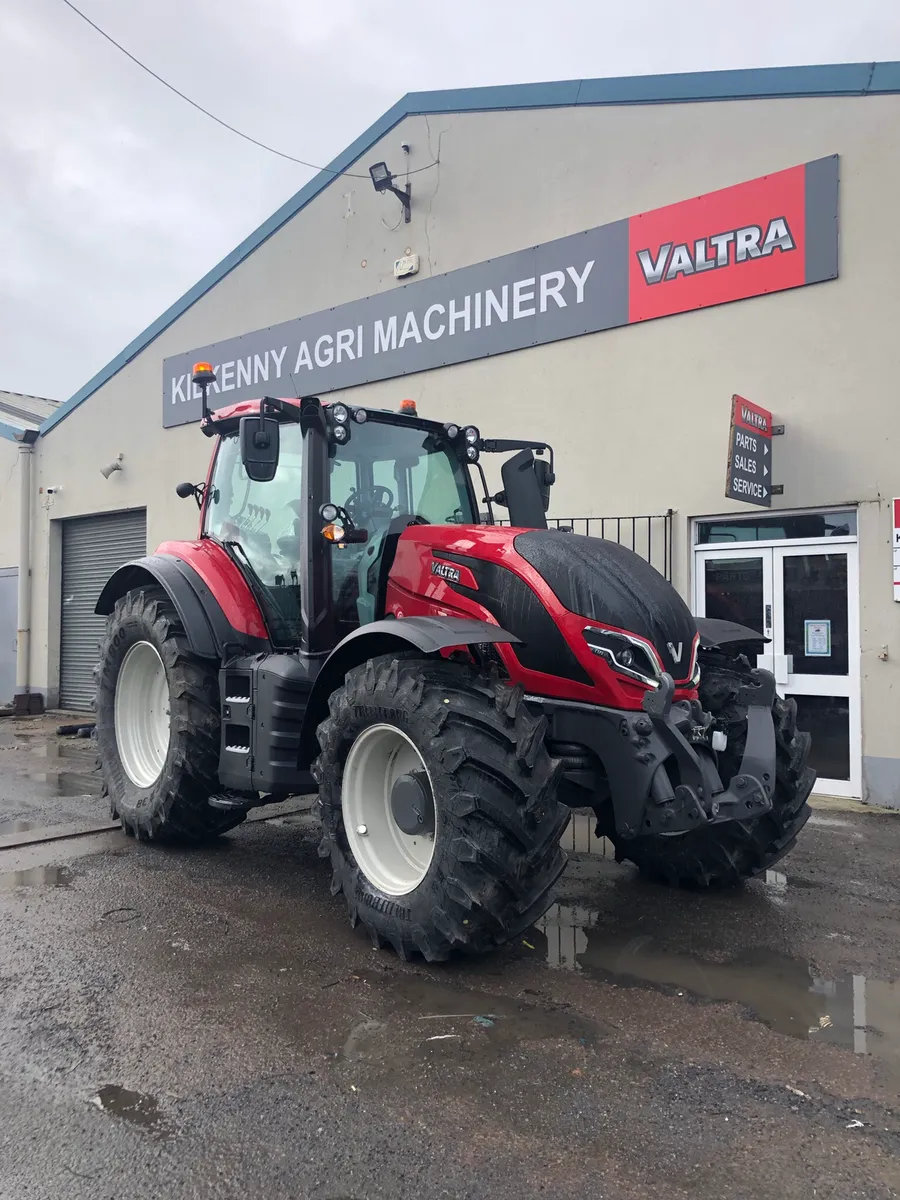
x=438 y=800
x=157 y=731
x=722 y=855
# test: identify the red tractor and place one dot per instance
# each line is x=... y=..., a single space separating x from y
x=347 y=622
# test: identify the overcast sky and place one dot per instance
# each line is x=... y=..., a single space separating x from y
x=115 y=196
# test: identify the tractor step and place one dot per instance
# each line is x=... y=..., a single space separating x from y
x=226 y=802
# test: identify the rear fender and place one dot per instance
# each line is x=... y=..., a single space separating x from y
x=209 y=632
x=428 y=635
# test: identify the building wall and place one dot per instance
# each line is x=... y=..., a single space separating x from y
x=9 y=503
x=639 y=415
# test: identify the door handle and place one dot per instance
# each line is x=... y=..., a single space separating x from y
x=783 y=665
x=768 y=618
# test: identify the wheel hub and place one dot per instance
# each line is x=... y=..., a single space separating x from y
x=412 y=805
x=142 y=714
x=388 y=809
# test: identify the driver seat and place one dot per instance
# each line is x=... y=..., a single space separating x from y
x=375 y=567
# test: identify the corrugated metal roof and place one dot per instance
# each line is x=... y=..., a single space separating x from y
x=835 y=79
x=19 y=412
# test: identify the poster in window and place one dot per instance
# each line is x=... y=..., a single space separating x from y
x=817 y=637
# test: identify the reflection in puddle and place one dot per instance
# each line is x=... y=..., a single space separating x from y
x=16 y=827
x=134 y=1107
x=432 y=1021
x=35 y=877
x=852 y=1011
x=67 y=783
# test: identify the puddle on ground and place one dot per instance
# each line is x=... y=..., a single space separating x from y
x=35 y=877
x=67 y=783
x=134 y=1107
x=16 y=827
x=852 y=1011
x=52 y=748
x=436 y=1023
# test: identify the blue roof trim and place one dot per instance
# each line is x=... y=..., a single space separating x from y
x=839 y=79
x=10 y=432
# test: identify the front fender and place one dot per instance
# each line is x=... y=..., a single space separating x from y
x=429 y=635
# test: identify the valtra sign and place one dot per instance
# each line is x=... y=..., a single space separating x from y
x=773 y=233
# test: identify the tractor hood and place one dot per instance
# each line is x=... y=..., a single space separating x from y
x=611 y=585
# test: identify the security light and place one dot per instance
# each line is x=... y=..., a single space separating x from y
x=110 y=468
x=381 y=176
x=383 y=181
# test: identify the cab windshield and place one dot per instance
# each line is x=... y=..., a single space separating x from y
x=385 y=477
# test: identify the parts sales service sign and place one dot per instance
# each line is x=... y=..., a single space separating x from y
x=767 y=235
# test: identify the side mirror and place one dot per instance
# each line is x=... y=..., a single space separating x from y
x=183 y=490
x=260 y=445
x=524 y=500
x=546 y=479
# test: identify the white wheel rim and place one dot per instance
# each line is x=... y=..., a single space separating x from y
x=142 y=714
x=393 y=861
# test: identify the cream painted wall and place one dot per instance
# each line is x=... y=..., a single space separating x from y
x=639 y=416
x=9 y=503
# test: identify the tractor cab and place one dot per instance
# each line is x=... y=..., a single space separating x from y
x=311 y=499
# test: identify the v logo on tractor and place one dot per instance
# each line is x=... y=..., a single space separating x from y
x=346 y=622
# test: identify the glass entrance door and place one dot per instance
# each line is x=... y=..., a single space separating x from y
x=804 y=599
x=816 y=652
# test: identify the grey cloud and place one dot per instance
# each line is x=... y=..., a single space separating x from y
x=116 y=197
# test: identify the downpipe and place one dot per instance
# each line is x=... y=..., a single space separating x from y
x=23 y=631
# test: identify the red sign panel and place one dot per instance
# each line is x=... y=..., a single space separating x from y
x=750 y=416
x=728 y=245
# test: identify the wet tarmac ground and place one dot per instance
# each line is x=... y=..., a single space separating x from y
x=205 y=1023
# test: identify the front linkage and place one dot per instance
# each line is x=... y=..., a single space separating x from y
x=639 y=749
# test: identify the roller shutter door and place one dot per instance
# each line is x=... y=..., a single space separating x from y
x=92 y=548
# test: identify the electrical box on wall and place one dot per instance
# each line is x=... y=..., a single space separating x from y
x=407 y=265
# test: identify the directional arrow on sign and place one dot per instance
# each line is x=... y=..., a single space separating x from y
x=765 y=470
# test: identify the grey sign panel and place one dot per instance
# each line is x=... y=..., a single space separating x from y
x=561 y=289
x=749 y=467
x=821 y=217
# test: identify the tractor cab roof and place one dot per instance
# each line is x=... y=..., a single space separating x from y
x=225 y=420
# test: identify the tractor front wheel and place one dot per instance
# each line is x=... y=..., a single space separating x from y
x=157 y=730
x=438 y=800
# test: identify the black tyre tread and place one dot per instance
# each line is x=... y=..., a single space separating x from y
x=178 y=810
x=497 y=796
x=723 y=855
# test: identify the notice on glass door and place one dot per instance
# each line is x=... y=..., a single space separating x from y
x=817 y=637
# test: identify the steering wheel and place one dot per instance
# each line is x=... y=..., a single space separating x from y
x=376 y=501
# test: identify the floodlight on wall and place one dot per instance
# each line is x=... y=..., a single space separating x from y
x=383 y=181
x=111 y=468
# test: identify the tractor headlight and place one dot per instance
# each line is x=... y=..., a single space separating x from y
x=340 y=414
x=360 y=416
x=452 y=431
x=625 y=654
x=472 y=454
x=472 y=436
x=340 y=433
